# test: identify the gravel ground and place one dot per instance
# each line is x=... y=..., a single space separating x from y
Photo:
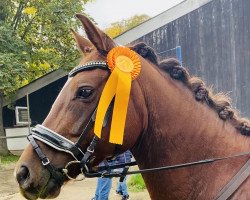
x=73 y=190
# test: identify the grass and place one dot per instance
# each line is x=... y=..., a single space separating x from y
x=4 y=160
x=136 y=183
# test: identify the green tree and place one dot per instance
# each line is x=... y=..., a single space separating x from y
x=118 y=28
x=34 y=39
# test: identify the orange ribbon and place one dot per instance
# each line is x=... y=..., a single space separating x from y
x=125 y=66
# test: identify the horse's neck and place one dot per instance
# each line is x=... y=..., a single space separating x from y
x=183 y=130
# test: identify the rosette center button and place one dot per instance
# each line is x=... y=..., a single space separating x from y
x=124 y=63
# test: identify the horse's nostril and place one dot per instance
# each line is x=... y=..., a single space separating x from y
x=22 y=175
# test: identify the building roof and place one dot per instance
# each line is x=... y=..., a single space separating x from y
x=127 y=37
x=160 y=20
x=37 y=84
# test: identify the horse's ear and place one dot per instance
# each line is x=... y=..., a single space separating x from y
x=84 y=45
x=101 y=41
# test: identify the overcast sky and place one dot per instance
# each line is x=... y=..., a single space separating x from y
x=105 y=12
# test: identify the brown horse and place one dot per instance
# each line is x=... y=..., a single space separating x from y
x=172 y=118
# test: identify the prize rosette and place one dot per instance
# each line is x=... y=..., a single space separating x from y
x=125 y=66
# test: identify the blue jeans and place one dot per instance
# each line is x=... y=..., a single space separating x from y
x=122 y=187
x=103 y=188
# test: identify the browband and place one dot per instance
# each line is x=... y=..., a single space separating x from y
x=89 y=66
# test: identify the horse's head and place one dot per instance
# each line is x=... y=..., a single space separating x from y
x=71 y=112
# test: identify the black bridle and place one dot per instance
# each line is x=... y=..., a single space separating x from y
x=61 y=143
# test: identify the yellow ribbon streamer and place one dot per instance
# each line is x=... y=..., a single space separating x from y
x=125 y=65
x=120 y=107
x=107 y=95
x=118 y=85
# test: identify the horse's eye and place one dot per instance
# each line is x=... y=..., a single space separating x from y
x=84 y=93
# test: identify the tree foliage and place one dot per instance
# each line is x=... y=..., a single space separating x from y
x=118 y=28
x=34 y=39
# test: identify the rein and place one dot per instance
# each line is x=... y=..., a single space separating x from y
x=83 y=159
x=168 y=167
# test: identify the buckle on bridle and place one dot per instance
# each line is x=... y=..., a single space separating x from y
x=90 y=151
x=45 y=161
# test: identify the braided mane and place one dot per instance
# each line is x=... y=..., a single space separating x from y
x=219 y=102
